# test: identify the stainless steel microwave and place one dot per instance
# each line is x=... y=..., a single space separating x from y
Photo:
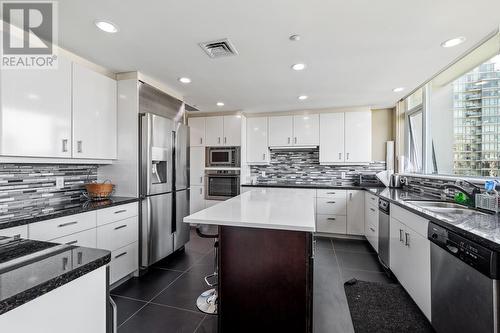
x=222 y=157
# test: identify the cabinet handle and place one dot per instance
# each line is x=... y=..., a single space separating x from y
x=201 y=179
x=407 y=239
x=350 y=196
x=79 y=145
x=65 y=263
x=65 y=145
x=16 y=236
x=372 y=209
x=225 y=140
x=264 y=156
x=331 y=218
x=401 y=235
x=295 y=140
x=331 y=192
x=67 y=224
x=340 y=156
x=372 y=229
x=120 y=255
x=347 y=156
x=373 y=199
x=201 y=141
x=120 y=227
x=79 y=257
x=201 y=190
x=72 y=242
x=332 y=202
x=120 y=211
x=218 y=139
x=288 y=140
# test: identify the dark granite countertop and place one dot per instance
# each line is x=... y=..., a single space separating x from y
x=29 y=269
x=483 y=229
x=63 y=209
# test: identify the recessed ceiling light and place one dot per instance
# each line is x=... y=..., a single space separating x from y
x=295 y=38
x=220 y=104
x=106 y=26
x=303 y=97
x=298 y=67
x=453 y=42
x=399 y=89
x=184 y=80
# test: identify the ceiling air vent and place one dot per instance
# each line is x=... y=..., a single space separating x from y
x=219 y=48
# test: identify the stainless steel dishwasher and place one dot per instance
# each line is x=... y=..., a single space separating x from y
x=383 y=232
x=464 y=284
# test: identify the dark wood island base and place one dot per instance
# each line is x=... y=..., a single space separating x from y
x=265 y=280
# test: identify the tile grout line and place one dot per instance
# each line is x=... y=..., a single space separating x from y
x=199 y=324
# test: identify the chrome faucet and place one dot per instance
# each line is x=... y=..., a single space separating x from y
x=470 y=194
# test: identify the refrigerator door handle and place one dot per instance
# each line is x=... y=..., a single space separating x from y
x=150 y=228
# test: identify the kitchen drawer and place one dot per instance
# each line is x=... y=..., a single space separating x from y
x=85 y=238
x=331 y=206
x=331 y=224
x=115 y=235
x=63 y=226
x=117 y=213
x=372 y=199
x=415 y=222
x=371 y=215
x=21 y=231
x=124 y=261
x=371 y=234
x=331 y=194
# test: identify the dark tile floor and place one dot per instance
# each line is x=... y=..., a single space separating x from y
x=163 y=299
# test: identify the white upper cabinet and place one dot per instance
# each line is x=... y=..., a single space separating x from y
x=306 y=130
x=94 y=114
x=281 y=131
x=36 y=112
x=232 y=130
x=214 y=134
x=196 y=131
x=331 y=131
x=197 y=165
x=257 y=141
x=358 y=136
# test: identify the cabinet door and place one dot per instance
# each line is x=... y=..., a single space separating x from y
x=358 y=137
x=94 y=114
x=197 y=199
x=214 y=131
x=331 y=138
x=280 y=131
x=397 y=249
x=197 y=165
x=257 y=144
x=418 y=267
x=355 y=212
x=232 y=130
x=20 y=231
x=196 y=131
x=36 y=112
x=306 y=130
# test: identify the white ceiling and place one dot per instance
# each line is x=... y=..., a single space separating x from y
x=356 y=51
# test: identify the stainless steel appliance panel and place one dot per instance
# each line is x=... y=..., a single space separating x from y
x=181 y=148
x=384 y=232
x=157 y=240
x=462 y=298
x=181 y=235
x=222 y=184
x=156 y=154
x=222 y=157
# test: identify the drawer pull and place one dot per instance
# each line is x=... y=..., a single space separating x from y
x=372 y=229
x=120 y=255
x=372 y=198
x=331 y=192
x=407 y=239
x=67 y=224
x=331 y=218
x=401 y=235
x=372 y=209
x=79 y=258
x=65 y=263
x=332 y=202
x=121 y=227
x=120 y=211
x=72 y=242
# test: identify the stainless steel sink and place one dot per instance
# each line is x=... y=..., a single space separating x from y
x=438 y=204
x=448 y=211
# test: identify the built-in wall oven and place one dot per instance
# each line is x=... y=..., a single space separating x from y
x=222 y=184
x=222 y=157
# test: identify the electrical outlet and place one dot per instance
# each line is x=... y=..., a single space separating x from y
x=59 y=182
x=342 y=175
x=263 y=173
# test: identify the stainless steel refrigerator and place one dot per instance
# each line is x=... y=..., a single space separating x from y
x=163 y=187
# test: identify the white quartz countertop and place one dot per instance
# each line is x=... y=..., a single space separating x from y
x=269 y=208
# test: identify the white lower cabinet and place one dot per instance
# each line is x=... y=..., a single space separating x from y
x=355 y=212
x=118 y=234
x=62 y=226
x=196 y=199
x=336 y=224
x=21 y=231
x=410 y=258
x=371 y=219
x=85 y=238
x=124 y=261
x=77 y=307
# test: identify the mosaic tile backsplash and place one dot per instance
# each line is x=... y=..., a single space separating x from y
x=28 y=190
x=302 y=167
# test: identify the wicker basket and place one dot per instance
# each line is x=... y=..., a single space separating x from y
x=99 y=191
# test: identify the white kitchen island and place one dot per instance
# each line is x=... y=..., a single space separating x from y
x=265 y=260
